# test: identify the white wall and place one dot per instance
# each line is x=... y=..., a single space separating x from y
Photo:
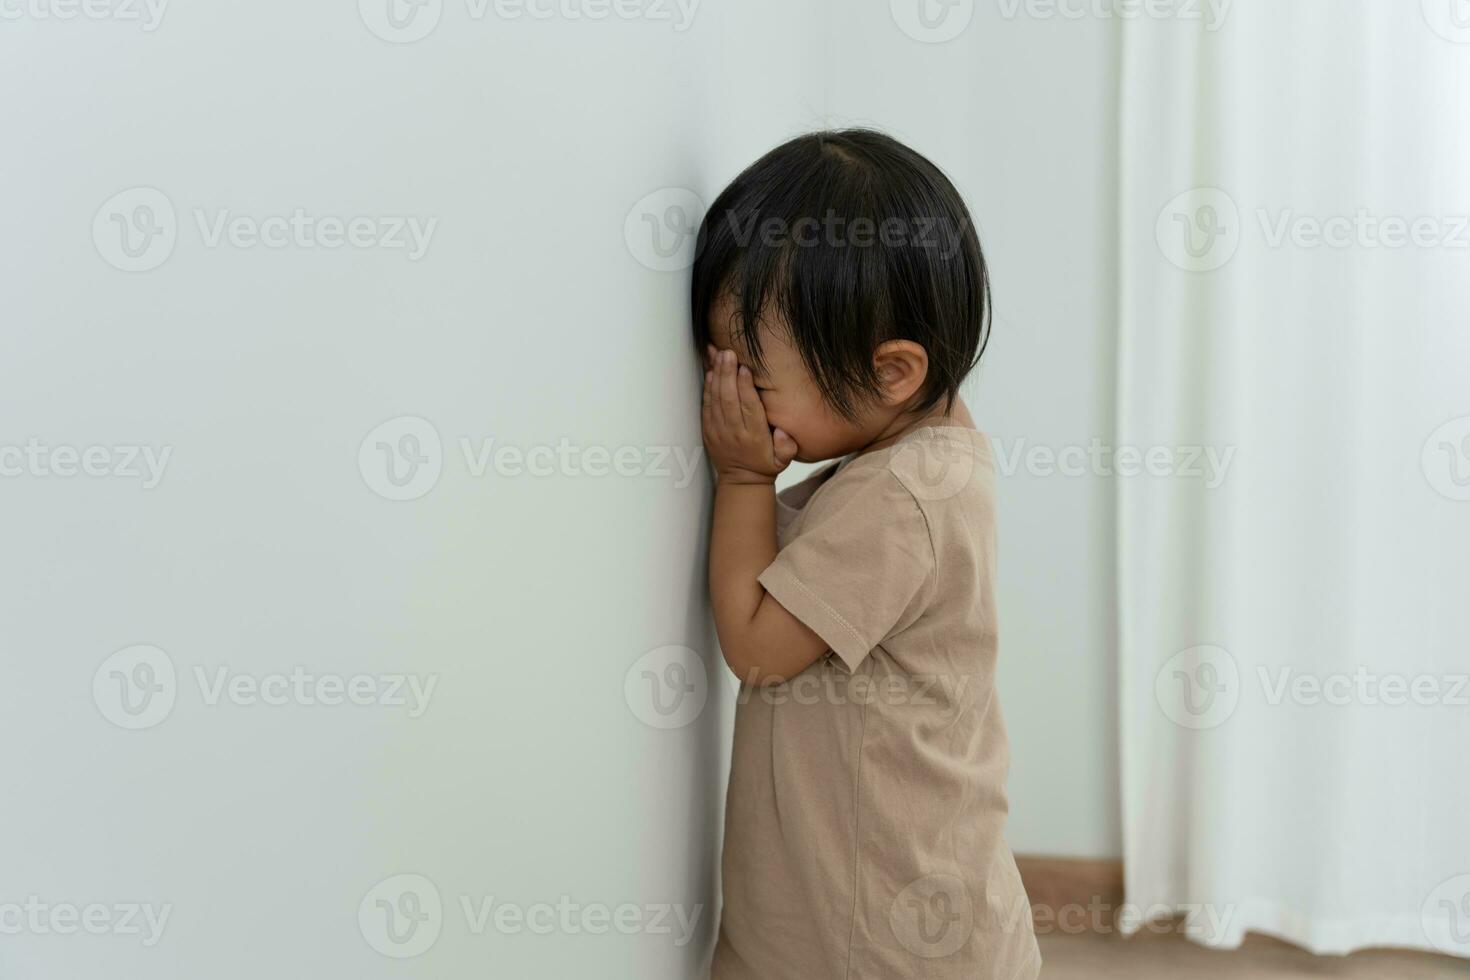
x=1044 y=179
x=532 y=774
x=268 y=544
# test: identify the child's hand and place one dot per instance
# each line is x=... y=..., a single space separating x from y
x=739 y=441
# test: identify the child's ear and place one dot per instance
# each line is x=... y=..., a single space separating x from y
x=902 y=366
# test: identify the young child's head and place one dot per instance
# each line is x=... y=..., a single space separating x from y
x=843 y=269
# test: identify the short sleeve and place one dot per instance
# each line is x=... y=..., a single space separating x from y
x=861 y=565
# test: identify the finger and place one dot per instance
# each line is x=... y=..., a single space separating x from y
x=709 y=355
x=751 y=410
x=706 y=403
x=716 y=406
x=728 y=393
x=785 y=446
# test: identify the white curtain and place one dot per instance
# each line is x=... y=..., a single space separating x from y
x=1295 y=299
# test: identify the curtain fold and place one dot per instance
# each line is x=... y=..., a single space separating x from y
x=1295 y=298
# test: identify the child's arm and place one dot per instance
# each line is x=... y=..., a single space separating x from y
x=762 y=642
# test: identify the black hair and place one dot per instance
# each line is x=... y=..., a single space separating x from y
x=855 y=239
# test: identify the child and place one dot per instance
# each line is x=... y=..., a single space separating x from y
x=839 y=298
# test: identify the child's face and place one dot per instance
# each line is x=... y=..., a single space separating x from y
x=792 y=401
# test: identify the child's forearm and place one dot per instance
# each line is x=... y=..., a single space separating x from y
x=742 y=543
x=762 y=642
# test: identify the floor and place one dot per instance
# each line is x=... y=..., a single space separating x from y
x=1091 y=956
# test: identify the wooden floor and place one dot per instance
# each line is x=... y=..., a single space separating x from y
x=1090 y=956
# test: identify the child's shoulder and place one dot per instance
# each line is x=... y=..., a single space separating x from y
x=933 y=468
x=942 y=463
x=940 y=466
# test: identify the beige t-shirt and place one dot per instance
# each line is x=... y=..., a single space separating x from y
x=864 y=819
